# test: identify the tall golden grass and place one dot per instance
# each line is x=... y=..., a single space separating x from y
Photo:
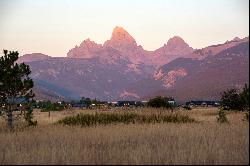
x=207 y=142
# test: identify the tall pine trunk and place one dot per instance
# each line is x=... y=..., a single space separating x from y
x=10 y=118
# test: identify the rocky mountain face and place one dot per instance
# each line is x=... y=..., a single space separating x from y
x=87 y=49
x=190 y=79
x=71 y=78
x=215 y=49
x=122 y=41
x=121 y=69
x=176 y=47
x=126 y=45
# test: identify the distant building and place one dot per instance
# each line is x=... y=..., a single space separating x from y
x=171 y=102
x=203 y=103
x=79 y=105
x=129 y=103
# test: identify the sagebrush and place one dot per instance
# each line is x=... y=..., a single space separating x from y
x=125 y=118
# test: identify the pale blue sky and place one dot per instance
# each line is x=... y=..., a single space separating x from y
x=54 y=26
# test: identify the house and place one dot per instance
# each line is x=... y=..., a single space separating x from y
x=172 y=102
x=144 y=102
x=129 y=103
x=79 y=105
x=203 y=103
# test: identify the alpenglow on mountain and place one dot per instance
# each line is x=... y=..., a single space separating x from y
x=120 y=69
x=123 y=42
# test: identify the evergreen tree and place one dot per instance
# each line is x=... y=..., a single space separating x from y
x=160 y=101
x=244 y=95
x=231 y=100
x=15 y=83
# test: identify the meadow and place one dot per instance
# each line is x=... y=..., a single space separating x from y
x=204 y=141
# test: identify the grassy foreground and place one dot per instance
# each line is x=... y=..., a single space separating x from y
x=207 y=142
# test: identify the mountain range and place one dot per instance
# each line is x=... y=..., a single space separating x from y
x=120 y=69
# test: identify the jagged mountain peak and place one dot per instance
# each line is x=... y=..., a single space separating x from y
x=120 y=34
x=89 y=43
x=119 y=29
x=176 y=41
x=120 y=38
x=88 y=40
x=175 y=46
x=236 y=39
x=87 y=49
x=108 y=72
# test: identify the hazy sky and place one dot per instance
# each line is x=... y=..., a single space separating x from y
x=53 y=27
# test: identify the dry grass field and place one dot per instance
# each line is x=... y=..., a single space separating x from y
x=205 y=142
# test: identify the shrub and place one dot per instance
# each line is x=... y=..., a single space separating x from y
x=28 y=116
x=126 y=118
x=244 y=95
x=222 y=117
x=187 y=107
x=160 y=101
x=246 y=116
x=53 y=107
